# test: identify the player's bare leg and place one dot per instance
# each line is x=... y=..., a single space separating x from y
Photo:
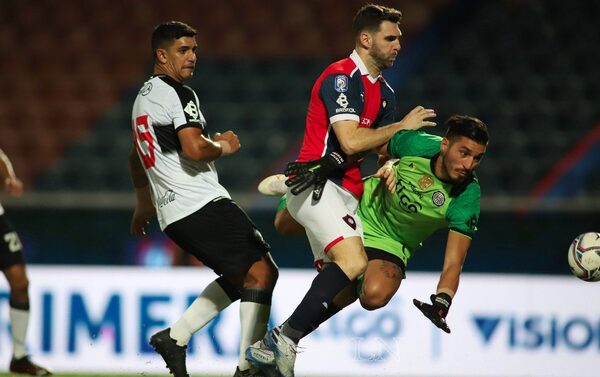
x=349 y=254
x=171 y=343
x=255 y=307
x=381 y=281
x=349 y=261
x=21 y=363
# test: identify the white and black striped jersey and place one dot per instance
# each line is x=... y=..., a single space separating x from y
x=179 y=186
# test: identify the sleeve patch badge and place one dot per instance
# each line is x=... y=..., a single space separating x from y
x=340 y=83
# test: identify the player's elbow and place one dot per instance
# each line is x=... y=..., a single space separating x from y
x=191 y=155
x=350 y=147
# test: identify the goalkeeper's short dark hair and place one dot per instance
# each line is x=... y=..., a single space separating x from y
x=165 y=33
x=467 y=126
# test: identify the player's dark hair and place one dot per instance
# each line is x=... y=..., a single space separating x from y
x=166 y=32
x=467 y=126
x=370 y=16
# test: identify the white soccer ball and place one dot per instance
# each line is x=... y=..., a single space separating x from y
x=584 y=256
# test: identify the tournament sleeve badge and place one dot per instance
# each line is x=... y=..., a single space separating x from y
x=340 y=83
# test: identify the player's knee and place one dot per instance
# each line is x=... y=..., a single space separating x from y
x=373 y=302
x=373 y=297
x=262 y=274
x=350 y=255
x=19 y=290
x=354 y=267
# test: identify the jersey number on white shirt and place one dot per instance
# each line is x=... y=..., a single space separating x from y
x=144 y=142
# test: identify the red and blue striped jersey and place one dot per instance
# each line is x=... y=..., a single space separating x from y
x=345 y=91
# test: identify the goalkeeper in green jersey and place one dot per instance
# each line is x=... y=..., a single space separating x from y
x=429 y=184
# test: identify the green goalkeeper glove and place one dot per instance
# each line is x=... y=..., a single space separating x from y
x=302 y=175
x=437 y=310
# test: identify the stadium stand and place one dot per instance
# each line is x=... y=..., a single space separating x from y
x=525 y=67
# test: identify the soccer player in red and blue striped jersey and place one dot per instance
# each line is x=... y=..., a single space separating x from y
x=351 y=112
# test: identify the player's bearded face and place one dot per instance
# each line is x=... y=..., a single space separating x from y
x=386 y=45
x=460 y=157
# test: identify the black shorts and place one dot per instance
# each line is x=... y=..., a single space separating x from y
x=222 y=236
x=11 y=250
x=373 y=253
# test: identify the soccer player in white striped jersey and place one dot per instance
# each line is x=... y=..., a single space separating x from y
x=172 y=169
x=12 y=264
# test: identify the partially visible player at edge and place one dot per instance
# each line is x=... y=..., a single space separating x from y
x=351 y=111
x=431 y=184
x=12 y=264
x=174 y=175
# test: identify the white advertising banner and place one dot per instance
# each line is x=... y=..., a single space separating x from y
x=87 y=319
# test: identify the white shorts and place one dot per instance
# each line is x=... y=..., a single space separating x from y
x=328 y=221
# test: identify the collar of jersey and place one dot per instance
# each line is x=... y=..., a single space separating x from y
x=362 y=67
x=166 y=78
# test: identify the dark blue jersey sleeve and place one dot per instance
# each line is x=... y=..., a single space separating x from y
x=341 y=96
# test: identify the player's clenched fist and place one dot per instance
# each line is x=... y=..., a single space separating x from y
x=229 y=142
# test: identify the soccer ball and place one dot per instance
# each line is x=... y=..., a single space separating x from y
x=584 y=256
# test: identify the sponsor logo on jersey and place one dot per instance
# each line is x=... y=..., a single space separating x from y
x=167 y=198
x=347 y=110
x=340 y=83
x=342 y=100
x=438 y=198
x=365 y=122
x=192 y=110
x=146 y=89
x=425 y=182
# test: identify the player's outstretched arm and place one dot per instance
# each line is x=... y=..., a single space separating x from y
x=354 y=139
x=457 y=246
x=456 y=251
